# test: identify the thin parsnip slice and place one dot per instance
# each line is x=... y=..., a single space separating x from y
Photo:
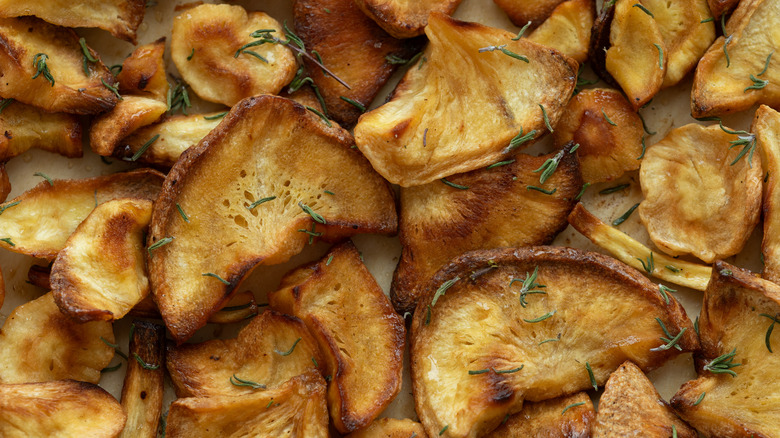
x=143 y=389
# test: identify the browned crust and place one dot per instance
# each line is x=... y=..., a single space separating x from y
x=142 y=393
x=547 y=419
x=134 y=11
x=144 y=71
x=599 y=43
x=523 y=11
x=400 y=23
x=5 y=183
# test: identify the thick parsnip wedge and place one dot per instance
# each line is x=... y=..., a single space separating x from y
x=608 y=130
x=359 y=334
x=701 y=197
x=174 y=135
x=269 y=351
x=295 y=409
x=120 y=17
x=404 y=18
x=737 y=369
x=354 y=48
x=60 y=408
x=143 y=72
x=247 y=202
x=766 y=126
x=130 y=114
x=39 y=221
x=493 y=208
x=567 y=30
x=633 y=253
x=469 y=103
x=476 y=333
x=631 y=406
x=100 y=274
x=142 y=393
x=390 y=428
x=42 y=65
x=39 y=343
x=523 y=11
x=736 y=71
x=25 y=127
x=569 y=417
x=208 y=46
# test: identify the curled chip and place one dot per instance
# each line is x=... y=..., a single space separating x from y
x=568 y=29
x=569 y=417
x=25 y=127
x=403 y=18
x=129 y=114
x=143 y=72
x=766 y=126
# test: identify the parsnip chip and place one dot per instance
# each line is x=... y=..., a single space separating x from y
x=608 y=130
x=130 y=114
x=492 y=208
x=59 y=408
x=248 y=202
x=568 y=29
x=239 y=308
x=766 y=126
x=25 y=127
x=721 y=7
x=701 y=197
x=269 y=351
x=354 y=48
x=42 y=65
x=209 y=47
x=100 y=274
x=497 y=327
x=359 y=334
x=39 y=221
x=469 y=103
x=736 y=393
x=120 y=17
x=523 y=11
x=295 y=409
x=38 y=343
x=569 y=417
x=734 y=76
x=143 y=72
x=390 y=428
x=5 y=183
x=633 y=253
x=142 y=392
x=403 y=18
x=631 y=406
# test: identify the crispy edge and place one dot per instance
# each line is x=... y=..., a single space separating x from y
x=142 y=393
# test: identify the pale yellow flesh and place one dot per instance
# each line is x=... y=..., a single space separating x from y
x=568 y=29
x=25 y=127
x=176 y=134
x=129 y=115
x=766 y=126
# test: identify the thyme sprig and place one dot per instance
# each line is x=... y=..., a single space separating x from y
x=520 y=138
x=744 y=139
x=663 y=289
x=673 y=342
x=354 y=103
x=757 y=84
x=41 y=68
x=144 y=147
x=112 y=88
x=178 y=98
x=549 y=166
x=237 y=381
x=723 y=364
x=529 y=286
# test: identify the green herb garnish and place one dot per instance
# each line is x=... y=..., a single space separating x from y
x=143 y=363
x=453 y=185
x=178 y=98
x=314 y=215
x=192 y=53
x=162 y=242
x=237 y=381
x=573 y=405
x=614 y=189
x=541 y=318
x=502 y=48
x=663 y=289
x=660 y=56
x=354 y=103
x=522 y=31
x=216 y=116
x=46 y=177
x=723 y=364
x=288 y=352
x=769 y=330
x=644 y=9
x=253 y=205
x=539 y=189
x=443 y=289
x=606 y=117
x=213 y=275
x=650 y=265
x=546 y=119
x=701 y=397
x=644 y=148
x=112 y=88
x=321 y=115
x=87 y=56
x=674 y=269
x=529 y=286
x=181 y=212
x=592 y=377
x=41 y=68
x=549 y=167
x=582 y=191
x=625 y=215
x=8 y=241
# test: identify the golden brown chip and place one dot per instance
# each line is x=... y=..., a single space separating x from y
x=569 y=417
x=208 y=46
x=38 y=343
x=497 y=327
x=608 y=130
x=24 y=127
x=359 y=334
x=523 y=11
x=295 y=409
x=354 y=48
x=143 y=72
x=42 y=65
x=240 y=308
x=568 y=29
x=100 y=274
x=142 y=392
x=269 y=351
x=171 y=137
x=403 y=18
x=390 y=428
x=39 y=221
x=248 y=201
x=120 y=17
x=631 y=406
x=461 y=109
x=766 y=126
x=130 y=114
x=735 y=394
x=59 y=408
x=701 y=198
x=492 y=208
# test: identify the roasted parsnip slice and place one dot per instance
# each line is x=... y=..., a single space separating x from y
x=631 y=406
x=403 y=18
x=269 y=351
x=354 y=48
x=5 y=183
x=497 y=327
x=39 y=221
x=720 y=7
x=295 y=409
x=736 y=392
x=390 y=428
x=569 y=417
x=142 y=393
x=171 y=137
x=701 y=196
x=39 y=343
x=240 y=308
x=25 y=127
x=143 y=72
x=100 y=274
x=737 y=72
x=130 y=114
x=486 y=208
x=469 y=103
x=248 y=203
x=608 y=130
x=524 y=11
x=42 y=65
x=633 y=253
x=359 y=334
x=214 y=52
x=567 y=30
x=120 y=17
x=59 y=408
x=766 y=126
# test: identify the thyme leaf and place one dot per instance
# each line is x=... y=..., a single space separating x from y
x=162 y=242
x=541 y=318
x=216 y=116
x=46 y=177
x=606 y=117
x=237 y=381
x=769 y=330
x=453 y=185
x=213 y=275
x=290 y=351
x=354 y=103
x=650 y=266
x=253 y=205
x=143 y=363
x=502 y=48
x=610 y=190
x=182 y=213
x=443 y=289
x=539 y=189
x=314 y=215
x=522 y=31
x=529 y=286
x=591 y=376
x=644 y=9
x=573 y=405
x=546 y=119
x=625 y=215
x=144 y=147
